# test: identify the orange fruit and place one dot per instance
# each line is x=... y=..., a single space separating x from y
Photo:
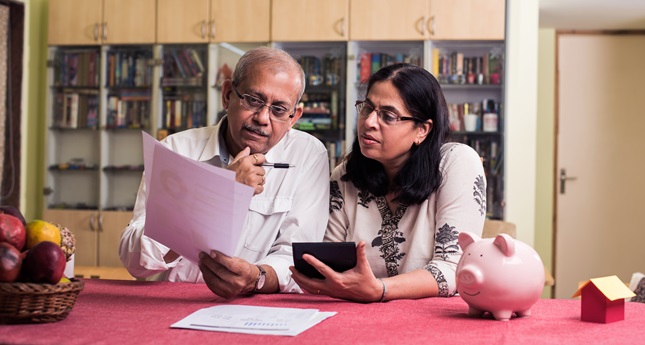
x=40 y=230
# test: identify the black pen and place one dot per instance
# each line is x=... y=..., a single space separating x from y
x=279 y=165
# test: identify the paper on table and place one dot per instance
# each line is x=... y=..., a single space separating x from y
x=253 y=320
x=192 y=206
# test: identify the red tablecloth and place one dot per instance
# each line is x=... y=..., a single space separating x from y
x=131 y=312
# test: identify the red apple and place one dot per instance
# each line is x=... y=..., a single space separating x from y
x=44 y=263
x=12 y=230
x=14 y=212
x=10 y=262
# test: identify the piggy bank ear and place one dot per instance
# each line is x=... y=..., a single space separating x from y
x=466 y=238
x=505 y=243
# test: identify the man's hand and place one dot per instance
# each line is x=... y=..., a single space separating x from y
x=228 y=276
x=248 y=169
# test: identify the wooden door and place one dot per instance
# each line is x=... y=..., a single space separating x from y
x=83 y=225
x=388 y=20
x=128 y=22
x=183 y=21
x=240 y=21
x=74 y=22
x=309 y=20
x=111 y=223
x=467 y=20
x=599 y=223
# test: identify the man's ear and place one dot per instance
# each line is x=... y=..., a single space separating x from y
x=227 y=91
x=296 y=115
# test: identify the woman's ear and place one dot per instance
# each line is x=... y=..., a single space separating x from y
x=423 y=130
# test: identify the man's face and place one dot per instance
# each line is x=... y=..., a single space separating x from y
x=255 y=129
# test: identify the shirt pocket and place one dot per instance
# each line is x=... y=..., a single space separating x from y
x=263 y=222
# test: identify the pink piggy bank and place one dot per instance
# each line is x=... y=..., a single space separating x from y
x=498 y=275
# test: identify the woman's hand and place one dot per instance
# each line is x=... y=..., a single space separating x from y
x=357 y=284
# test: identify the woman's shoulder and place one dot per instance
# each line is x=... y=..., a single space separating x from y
x=454 y=150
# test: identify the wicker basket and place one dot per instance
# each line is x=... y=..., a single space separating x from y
x=37 y=303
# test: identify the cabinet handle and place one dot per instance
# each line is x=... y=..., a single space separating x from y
x=213 y=30
x=101 y=222
x=95 y=32
x=342 y=27
x=203 y=29
x=105 y=31
x=92 y=228
x=421 y=25
x=431 y=25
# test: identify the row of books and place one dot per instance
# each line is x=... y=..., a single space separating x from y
x=456 y=68
x=129 y=68
x=182 y=63
x=76 y=109
x=184 y=112
x=126 y=112
x=76 y=68
x=370 y=62
x=326 y=71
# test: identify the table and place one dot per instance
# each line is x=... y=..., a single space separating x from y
x=139 y=312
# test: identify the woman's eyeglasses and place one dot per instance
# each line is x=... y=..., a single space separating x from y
x=385 y=116
x=276 y=112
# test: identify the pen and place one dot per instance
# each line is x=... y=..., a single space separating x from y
x=279 y=165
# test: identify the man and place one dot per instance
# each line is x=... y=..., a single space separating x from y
x=289 y=205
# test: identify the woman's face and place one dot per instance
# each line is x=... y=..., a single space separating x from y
x=388 y=144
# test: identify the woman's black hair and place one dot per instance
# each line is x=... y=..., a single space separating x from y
x=420 y=176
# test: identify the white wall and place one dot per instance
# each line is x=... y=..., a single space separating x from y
x=521 y=115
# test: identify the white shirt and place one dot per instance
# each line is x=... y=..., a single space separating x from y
x=414 y=237
x=294 y=207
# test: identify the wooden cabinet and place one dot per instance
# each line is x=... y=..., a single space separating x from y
x=88 y=22
x=203 y=21
x=466 y=20
x=388 y=20
x=97 y=234
x=427 y=19
x=309 y=20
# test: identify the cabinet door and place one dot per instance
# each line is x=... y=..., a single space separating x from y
x=83 y=225
x=74 y=22
x=240 y=21
x=467 y=19
x=110 y=225
x=388 y=20
x=183 y=21
x=127 y=21
x=309 y=20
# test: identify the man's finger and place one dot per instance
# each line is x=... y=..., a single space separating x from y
x=242 y=154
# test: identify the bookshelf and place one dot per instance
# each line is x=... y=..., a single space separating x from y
x=324 y=98
x=99 y=102
x=471 y=74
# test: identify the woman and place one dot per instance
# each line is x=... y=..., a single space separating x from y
x=403 y=194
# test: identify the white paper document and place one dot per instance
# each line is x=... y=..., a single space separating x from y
x=192 y=206
x=253 y=320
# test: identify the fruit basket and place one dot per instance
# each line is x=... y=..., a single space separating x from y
x=37 y=303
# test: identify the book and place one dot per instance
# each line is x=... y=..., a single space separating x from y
x=365 y=67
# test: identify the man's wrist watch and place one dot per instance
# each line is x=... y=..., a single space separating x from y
x=259 y=283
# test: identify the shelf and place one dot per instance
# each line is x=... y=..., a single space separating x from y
x=471 y=86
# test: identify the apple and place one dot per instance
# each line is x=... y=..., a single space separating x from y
x=12 y=230
x=44 y=263
x=14 y=212
x=10 y=262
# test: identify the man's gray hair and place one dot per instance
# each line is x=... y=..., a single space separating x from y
x=273 y=59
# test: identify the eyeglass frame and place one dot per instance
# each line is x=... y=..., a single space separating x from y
x=363 y=103
x=244 y=103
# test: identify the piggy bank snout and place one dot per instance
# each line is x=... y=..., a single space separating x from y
x=470 y=275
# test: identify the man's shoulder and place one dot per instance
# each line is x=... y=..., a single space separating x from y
x=190 y=135
x=304 y=140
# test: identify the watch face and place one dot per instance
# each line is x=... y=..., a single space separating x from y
x=260 y=281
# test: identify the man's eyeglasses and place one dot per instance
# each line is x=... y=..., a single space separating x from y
x=386 y=117
x=276 y=112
